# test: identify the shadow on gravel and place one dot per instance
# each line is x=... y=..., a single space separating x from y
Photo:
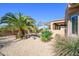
x=3 y=38
x=1 y=54
x=3 y=43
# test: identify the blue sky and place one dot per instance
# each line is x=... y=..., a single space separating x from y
x=43 y=12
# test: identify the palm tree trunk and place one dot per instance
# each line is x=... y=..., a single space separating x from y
x=22 y=33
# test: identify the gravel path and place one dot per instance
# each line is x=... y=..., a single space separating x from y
x=28 y=47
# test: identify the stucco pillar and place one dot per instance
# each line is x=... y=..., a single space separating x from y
x=69 y=28
x=78 y=25
x=51 y=26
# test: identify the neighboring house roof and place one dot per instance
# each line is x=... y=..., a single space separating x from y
x=59 y=20
x=56 y=21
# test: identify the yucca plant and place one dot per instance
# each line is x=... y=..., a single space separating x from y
x=46 y=35
x=68 y=46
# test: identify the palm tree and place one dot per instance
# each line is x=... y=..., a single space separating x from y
x=19 y=22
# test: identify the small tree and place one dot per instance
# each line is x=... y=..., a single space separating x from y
x=19 y=22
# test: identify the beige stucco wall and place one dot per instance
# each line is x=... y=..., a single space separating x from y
x=60 y=32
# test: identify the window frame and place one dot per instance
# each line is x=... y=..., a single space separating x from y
x=75 y=15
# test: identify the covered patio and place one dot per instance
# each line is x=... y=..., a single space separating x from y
x=58 y=27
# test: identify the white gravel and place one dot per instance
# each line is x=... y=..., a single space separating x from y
x=28 y=47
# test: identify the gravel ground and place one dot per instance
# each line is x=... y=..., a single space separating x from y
x=27 y=47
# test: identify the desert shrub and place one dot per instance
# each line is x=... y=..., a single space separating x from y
x=67 y=46
x=46 y=35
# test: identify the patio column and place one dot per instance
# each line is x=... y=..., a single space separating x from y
x=51 y=26
x=78 y=25
x=69 y=28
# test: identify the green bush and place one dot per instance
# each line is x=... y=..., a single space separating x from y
x=68 y=46
x=46 y=35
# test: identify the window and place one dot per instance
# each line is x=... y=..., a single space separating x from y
x=56 y=27
x=74 y=20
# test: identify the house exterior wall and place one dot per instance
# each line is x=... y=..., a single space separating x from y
x=71 y=10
